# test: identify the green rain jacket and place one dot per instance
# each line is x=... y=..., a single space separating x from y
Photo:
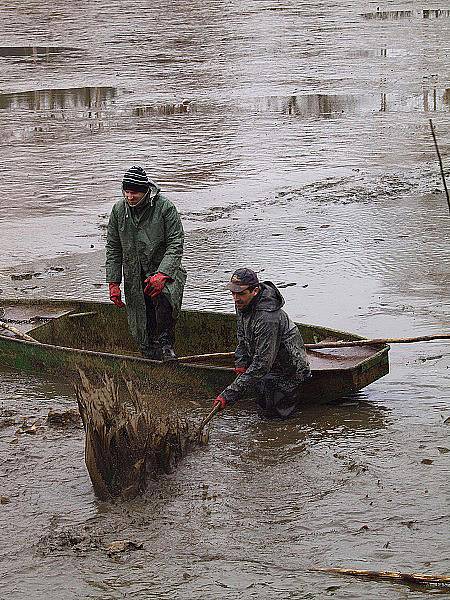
x=142 y=242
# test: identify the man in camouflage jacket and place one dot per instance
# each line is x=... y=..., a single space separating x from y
x=270 y=358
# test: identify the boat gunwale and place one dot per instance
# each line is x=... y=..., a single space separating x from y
x=110 y=355
x=172 y=364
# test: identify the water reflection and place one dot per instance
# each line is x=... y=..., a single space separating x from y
x=320 y=435
x=309 y=105
x=435 y=13
x=378 y=53
x=406 y=14
x=389 y=14
x=176 y=108
x=36 y=53
x=316 y=424
x=431 y=100
x=85 y=97
x=324 y=105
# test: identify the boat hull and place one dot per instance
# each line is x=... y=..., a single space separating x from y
x=94 y=337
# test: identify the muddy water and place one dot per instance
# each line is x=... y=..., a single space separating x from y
x=293 y=139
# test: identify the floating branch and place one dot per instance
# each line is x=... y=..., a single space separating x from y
x=417 y=578
x=338 y=344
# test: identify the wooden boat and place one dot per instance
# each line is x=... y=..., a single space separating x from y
x=94 y=337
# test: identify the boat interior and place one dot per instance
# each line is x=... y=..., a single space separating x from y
x=101 y=327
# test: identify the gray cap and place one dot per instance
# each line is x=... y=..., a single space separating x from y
x=243 y=279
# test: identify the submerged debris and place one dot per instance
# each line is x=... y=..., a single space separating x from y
x=64 y=419
x=77 y=541
x=284 y=284
x=29 y=429
x=21 y=276
x=129 y=437
x=7 y=422
x=122 y=546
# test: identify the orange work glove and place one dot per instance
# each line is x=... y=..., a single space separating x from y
x=155 y=284
x=240 y=370
x=220 y=401
x=115 y=295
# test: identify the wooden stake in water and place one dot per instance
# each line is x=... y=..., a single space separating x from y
x=433 y=133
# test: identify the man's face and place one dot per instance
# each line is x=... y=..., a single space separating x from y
x=133 y=198
x=243 y=299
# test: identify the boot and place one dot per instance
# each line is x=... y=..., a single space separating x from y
x=167 y=351
x=153 y=352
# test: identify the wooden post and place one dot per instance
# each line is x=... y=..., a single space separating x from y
x=441 y=166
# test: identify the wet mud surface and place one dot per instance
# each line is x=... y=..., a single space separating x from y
x=295 y=140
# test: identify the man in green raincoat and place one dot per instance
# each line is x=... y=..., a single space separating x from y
x=145 y=240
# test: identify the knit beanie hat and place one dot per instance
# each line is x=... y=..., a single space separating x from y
x=136 y=180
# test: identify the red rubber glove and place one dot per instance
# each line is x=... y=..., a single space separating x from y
x=220 y=401
x=115 y=295
x=155 y=284
x=240 y=370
